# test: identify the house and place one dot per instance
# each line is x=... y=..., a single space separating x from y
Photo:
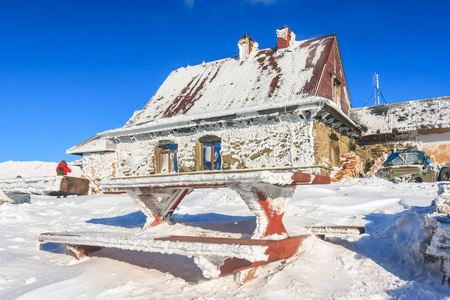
x=392 y=127
x=279 y=108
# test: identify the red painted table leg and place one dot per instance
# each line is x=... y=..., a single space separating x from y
x=268 y=202
x=81 y=251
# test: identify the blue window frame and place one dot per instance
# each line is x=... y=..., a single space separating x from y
x=211 y=159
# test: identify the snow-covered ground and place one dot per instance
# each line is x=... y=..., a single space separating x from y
x=386 y=262
x=12 y=169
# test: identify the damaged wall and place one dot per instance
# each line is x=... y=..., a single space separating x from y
x=435 y=142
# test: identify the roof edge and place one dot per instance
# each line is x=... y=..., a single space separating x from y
x=183 y=121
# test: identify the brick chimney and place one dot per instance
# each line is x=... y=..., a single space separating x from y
x=286 y=38
x=247 y=47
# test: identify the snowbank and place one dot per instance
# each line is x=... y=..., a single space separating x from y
x=387 y=262
x=12 y=169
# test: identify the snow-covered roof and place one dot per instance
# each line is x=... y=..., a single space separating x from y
x=269 y=77
x=94 y=144
x=406 y=116
x=311 y=104
x=263 y=82
x=314 y=105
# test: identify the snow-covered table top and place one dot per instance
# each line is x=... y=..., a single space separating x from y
x=216 y=178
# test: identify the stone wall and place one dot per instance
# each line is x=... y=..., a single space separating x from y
x=270 y=144
x=98 y=166
x=330 y=146
x=136 y=158
x=373 y=153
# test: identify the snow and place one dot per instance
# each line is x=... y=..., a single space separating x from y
x=404 y=116
x=228 y=84
x=281 y=178
x=182 y=121
x=12 y=169
x=386 y=262
x=31 y=185
x=145 y=241
x=18 y=179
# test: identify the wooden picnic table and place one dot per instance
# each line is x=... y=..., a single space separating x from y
x=266 y=193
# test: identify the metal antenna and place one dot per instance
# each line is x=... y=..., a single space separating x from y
x=377 y=92
x=377 y=89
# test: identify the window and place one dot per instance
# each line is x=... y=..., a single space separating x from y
x=168 y=159
x=336 y=96
x=211 y=159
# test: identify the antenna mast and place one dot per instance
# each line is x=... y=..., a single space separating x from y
x=377 y=89
x=377 y=92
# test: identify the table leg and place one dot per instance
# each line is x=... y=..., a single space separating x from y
x=157 y=204
x=268 y=202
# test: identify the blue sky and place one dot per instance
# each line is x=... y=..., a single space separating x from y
x=70 y=69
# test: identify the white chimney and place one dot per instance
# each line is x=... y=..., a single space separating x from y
x=247 y=47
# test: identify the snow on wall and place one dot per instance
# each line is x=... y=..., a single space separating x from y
x=99 y=166
x=136 y=158
x=288 y=143
x=281 y=144
x=404 y=116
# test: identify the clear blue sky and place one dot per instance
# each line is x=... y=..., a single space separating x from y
x=70 y=69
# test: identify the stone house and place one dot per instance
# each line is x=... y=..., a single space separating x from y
x=279 y=108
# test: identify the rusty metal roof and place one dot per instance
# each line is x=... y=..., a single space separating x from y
x=270 y=77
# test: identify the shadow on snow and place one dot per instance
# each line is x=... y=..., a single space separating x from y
x=396 y=242
x=131 y=220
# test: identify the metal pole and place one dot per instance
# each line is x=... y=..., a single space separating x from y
x=378 y=91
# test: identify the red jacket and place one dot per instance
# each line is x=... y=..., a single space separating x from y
x=66 y=168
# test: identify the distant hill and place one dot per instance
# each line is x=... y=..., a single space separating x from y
x=12 y=169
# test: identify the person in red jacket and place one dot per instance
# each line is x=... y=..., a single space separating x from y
x=62 y=168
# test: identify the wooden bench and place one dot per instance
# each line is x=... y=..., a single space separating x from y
x=266 y=194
